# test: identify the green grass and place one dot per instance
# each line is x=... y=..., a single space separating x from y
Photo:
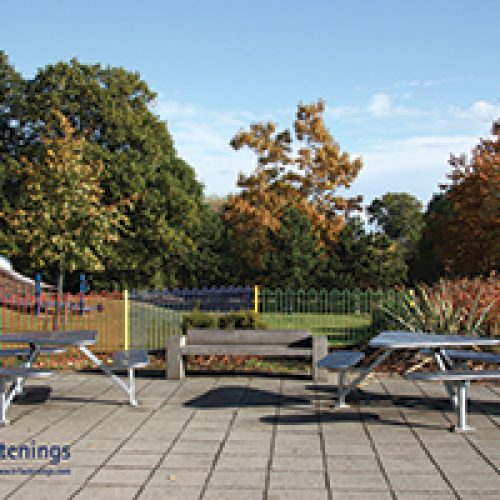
x=342 y=329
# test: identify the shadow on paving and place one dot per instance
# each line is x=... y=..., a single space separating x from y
x=34 y=395
x=416 y=402
x=339 y=416
x=231 y=397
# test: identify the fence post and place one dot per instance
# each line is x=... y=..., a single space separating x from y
x=126 y=322
x=38 y=289
x=256 y=299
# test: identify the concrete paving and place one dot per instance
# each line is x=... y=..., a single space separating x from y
x=226 y=437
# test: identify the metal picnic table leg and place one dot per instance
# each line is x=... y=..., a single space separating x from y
x=4 y=403
x=345 y=391
x=444 y=362
x=462 y=426
x=129 y=390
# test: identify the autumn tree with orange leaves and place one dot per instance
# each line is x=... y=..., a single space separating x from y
x=469 y=243
x=304 y=174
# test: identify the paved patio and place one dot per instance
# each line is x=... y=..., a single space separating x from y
x=251 y=438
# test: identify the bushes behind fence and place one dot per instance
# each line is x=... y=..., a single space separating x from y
x=241 y=320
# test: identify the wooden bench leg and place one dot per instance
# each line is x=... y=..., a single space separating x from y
x=462 y=425
x=175 y=361
x=319 y=351
x=3 y=403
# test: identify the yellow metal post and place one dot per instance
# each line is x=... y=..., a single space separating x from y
x=256 y=299
x=126 y=322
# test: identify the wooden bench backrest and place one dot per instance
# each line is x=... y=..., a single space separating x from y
x=249 y=337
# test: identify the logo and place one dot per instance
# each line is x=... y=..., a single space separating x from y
x=54 y=453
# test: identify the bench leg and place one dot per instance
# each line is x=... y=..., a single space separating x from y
x=3 y=403
x=131 y=384
x=175 y=361
x=341 y=392
x=444 y=363
x=319 y=351
x=462 y=425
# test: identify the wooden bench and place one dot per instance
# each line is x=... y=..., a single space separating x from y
x=461 y=378
x=7 y=375
x=268 y=343
x=341 y=361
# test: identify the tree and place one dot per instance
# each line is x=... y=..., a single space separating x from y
x=426 y=265
x=11 y=92
x=399 y=216
x=362 y=260
x=307 y=181
x=293 y=258
x=60 y=220
x=112 y=108
x=470 y=243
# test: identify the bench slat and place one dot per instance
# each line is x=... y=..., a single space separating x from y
x=246 y=350
x=455 y=375
x=246 y=337
x=487 y=357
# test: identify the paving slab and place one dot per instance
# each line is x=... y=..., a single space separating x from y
x=247 y=438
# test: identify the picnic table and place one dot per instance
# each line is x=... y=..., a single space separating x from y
x=441 y=347
x=55 y=342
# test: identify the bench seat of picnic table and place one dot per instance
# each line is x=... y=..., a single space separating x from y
x=341 y=361
x=7 y=394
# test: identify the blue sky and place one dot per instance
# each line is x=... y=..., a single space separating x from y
x=405 y=83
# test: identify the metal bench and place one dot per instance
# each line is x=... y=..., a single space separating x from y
x=481 y=357
x=124 y=361
x=25 y=352
x=461 y=379
x=341 y=361
x=6 y=396
x=268 y=343
x=129 y=361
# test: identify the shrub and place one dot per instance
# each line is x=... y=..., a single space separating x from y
x=241 y=320
x=465 y=306
x=198 y=319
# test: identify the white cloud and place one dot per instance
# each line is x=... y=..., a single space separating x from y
x=380 y=105
x=415 y=164
x=432 y=82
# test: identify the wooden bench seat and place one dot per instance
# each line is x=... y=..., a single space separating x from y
x=268 y=343
x=461 y=378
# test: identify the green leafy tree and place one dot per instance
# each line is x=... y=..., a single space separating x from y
x=400 y=216
x=60 y=220
x=112 y=108
x=362 y=260
x=426 y=265
x=11 y=96
x=293 y=257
